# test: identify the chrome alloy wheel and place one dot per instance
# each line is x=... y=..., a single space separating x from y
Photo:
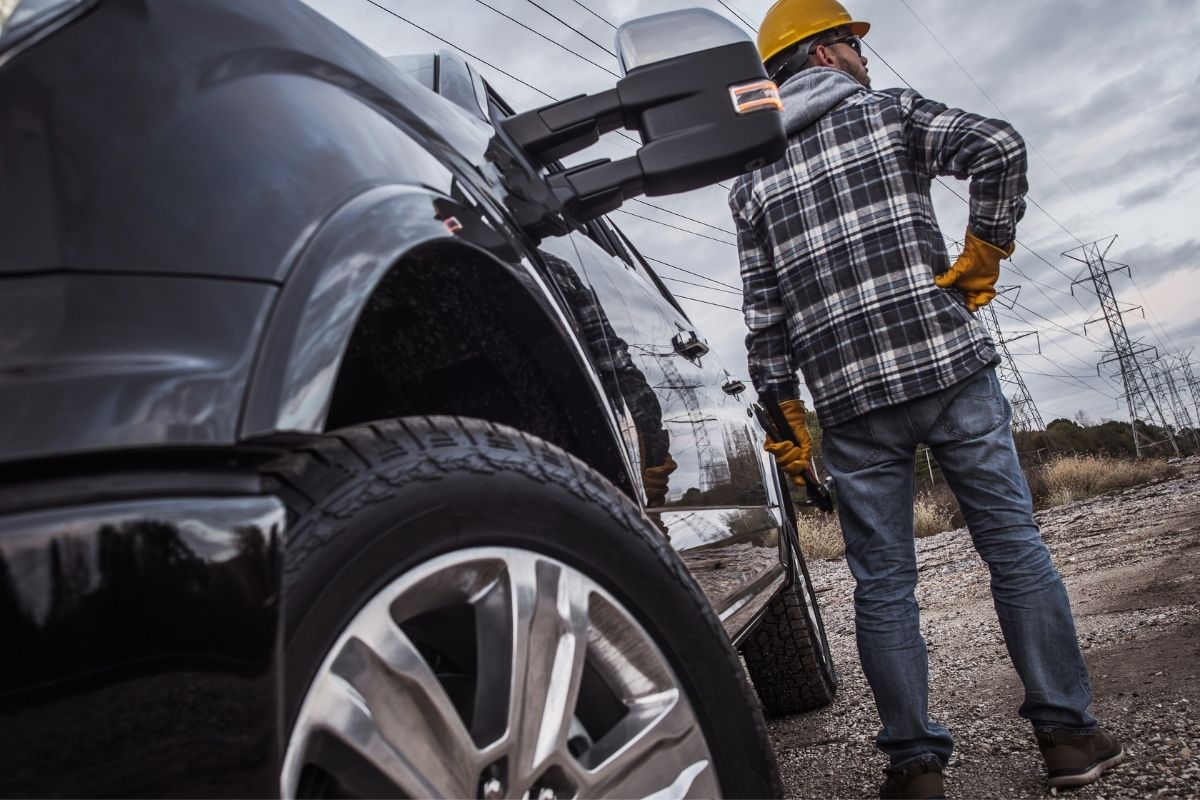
x=497 y=672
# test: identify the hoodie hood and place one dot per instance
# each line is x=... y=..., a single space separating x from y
x=808 y=95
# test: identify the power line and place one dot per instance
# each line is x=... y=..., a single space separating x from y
x=1019 y=318
x=1078 y=385
x=1141 y=396
x=1162 y=329
x=547 y=38
x=1053 y=219
x=1165 y=338
x=903 y=80
x=1062 y=328
x=594 y=14
x=685 y=216
x=572 y=27
x=701 y=286
x=983 y=91
x=690 y=272
x=739 y=16
x=463 y=50
x=707 y=303
x=1080 y=379
x=883 y=61
x=951 y=190
x=1061 y=310
x=1025 y=415
x=1091 y=376
x=1042 y=258
x=676 y=227
x=1015 y=317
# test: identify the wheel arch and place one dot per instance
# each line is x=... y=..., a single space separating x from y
x=387 y=299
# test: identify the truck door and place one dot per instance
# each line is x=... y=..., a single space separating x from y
x=686 y=430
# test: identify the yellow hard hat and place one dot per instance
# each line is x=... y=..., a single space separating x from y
x=791 y=21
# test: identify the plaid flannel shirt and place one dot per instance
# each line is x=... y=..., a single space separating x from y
x=839 y=245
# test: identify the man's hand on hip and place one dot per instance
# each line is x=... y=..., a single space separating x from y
x=975 y=272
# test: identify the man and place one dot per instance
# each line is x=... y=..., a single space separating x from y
x=845 y=276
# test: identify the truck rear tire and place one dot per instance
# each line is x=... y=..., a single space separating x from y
x=787 y=654
x=471 y=611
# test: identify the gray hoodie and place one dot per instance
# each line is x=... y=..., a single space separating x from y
x=809 y=94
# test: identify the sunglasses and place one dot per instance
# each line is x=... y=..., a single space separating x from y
x=854 y=42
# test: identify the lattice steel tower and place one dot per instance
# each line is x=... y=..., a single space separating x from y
x=1129 y=355
x=714 y=469
x=1025 y=416
x=1184 y=365
x=1164 y=385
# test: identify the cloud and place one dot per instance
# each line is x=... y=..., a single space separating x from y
x=1152 y=262
x=1146 y=194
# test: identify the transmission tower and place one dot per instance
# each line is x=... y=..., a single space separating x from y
x=1165 y=387
x=1128 y=355
x=1184 y=365
x=1025 y=416
x=714 y=470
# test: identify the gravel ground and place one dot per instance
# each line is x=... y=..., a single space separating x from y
x=1130 y=564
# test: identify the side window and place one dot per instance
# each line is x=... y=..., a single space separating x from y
x=496 y=104
x=481 y=90
x=639 y=264
x=457 y=83
x=595 y=231
x=620 y=247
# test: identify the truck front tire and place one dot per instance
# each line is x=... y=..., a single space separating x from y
x=471 y=611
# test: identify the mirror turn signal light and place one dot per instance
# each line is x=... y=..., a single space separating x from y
x=754 y=96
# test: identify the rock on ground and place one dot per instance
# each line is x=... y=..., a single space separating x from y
x=1129 y=561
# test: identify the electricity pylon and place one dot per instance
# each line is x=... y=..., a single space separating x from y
x=1183 y=363
x=1166 y=387
x=1128 y=355
x=1025 y=416
x=714 y=470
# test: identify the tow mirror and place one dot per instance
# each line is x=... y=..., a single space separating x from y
x=696 y=93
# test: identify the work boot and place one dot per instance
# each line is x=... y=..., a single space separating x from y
x=917 y=779
x=1076 y=759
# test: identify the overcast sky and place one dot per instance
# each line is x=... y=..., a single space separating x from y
x=1104 y=92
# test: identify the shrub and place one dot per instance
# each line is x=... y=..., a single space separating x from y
x=1077 y=477
x=932 y=514
x=821 y=535
x=1062 y=480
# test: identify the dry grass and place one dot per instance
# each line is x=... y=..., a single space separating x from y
x=931 y=515
x=1071 y=478
x=1062 y=480
x=821 y=535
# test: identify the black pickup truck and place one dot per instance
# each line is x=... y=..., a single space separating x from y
x=346 y=448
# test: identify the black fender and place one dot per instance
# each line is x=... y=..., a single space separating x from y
x=347 y=260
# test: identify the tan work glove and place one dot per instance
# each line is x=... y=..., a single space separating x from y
x=792 y=458
x=975 y=272
x=654 y=480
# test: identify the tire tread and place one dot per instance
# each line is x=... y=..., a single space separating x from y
x=343 y=472
x=783 y=657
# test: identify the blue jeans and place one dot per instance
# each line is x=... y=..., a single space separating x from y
x=871 y=459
